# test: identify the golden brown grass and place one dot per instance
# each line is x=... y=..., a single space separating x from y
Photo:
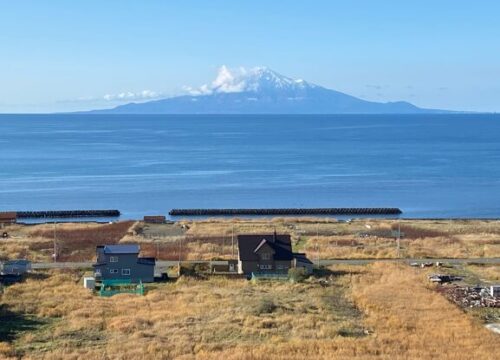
x=209 y=239
x=489 y=273
x=234 y=319
x=186 y=318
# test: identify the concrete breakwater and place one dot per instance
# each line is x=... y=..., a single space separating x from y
x=286 y=211
x=66 y=214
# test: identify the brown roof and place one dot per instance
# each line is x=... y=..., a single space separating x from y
x=281 y=244
x=8 y=216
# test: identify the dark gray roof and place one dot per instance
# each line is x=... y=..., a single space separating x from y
x=146 y=260
x=121 y=249
x=21 y=262
x=301 y=257
x=281 y=244
x=261 y=244
x=143 y=261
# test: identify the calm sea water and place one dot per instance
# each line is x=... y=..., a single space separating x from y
x=428 y=165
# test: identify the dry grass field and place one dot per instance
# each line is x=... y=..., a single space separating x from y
x=486 y=272
x=215 y=239
x=74 y=242
x=384 y=311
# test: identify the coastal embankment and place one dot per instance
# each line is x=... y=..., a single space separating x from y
x=286 y=211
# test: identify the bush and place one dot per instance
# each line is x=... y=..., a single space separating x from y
x=297 y=274
x=265 y=306
x=194 y=270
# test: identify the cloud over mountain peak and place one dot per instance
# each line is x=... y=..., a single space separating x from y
x=243 y=79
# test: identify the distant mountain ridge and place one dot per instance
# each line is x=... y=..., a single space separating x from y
x=263 y=91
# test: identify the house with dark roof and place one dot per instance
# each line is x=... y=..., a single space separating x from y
x=122 y=262
x=270 y=253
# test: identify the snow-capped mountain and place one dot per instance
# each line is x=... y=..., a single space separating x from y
x=259 y=79
x=262 y=91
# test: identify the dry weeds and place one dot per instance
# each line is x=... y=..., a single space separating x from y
x=235 y=319
x=214 y=239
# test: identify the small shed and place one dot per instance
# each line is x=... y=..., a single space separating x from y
x=89 y=282
x=15 y=267
x=8 y=217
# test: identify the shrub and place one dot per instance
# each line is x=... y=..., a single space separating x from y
x=194 y=270
x=264 y=306
x=297 y=274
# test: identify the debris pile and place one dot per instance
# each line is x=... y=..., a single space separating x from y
x=470 y=296
x=443 y=278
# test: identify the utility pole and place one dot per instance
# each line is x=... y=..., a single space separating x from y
x=55 y=242
x=232 y=241
x=317 y=253
x=180 y=250
x=317 y=244
x=398 y=240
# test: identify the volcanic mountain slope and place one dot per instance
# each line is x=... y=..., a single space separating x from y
x=263 y=91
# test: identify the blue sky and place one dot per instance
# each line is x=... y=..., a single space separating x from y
x=69 y=55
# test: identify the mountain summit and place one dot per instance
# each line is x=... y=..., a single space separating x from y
x=261 y=90
x=258 y=79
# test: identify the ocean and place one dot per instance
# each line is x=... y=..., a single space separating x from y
x=430 y=166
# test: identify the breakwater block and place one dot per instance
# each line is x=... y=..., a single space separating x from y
x=67 y=214
x=286 y=211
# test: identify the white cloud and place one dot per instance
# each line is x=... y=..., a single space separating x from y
x=131 y=96
x=242 y=79
x=227 y=81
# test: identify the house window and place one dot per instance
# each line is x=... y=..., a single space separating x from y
x=266 y=267
x=113 y=259
x=266 y=256
x=113 y=271
x=125 y=271
x=98 y=271
x=279 y=267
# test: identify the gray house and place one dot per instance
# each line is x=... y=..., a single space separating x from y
x=270 y=253
x=122 y=262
